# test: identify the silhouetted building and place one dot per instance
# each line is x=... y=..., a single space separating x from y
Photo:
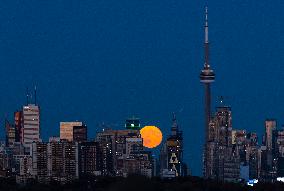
x=90 y=158
x=80 y=133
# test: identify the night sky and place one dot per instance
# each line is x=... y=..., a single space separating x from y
x=106 y=60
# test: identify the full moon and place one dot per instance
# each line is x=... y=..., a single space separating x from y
x=152 y=136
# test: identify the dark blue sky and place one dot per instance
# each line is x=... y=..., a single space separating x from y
x=104 y=60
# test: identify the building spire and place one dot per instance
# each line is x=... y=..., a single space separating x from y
x=206 y=25
x=206 y=40
x=174 y=128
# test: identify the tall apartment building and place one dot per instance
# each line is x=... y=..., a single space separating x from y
x=55 y=161
x=90 y=159
x=40 y=161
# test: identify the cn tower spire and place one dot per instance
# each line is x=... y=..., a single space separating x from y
x=206 y=40
x=206 y=76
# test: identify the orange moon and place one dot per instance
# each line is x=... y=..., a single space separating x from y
x=152 y=136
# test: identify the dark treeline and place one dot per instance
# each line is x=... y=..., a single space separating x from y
x=138 y=183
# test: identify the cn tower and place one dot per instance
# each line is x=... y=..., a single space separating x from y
x=207 y=76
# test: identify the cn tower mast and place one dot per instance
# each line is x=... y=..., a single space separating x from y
x=207 y=76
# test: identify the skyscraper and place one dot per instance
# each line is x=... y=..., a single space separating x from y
x=19 y=123
x=207 y=76
x=10 y=133
x=31 y=117
x=270 y=126
x=171 y=158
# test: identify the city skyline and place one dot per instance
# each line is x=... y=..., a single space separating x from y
x=88 y=95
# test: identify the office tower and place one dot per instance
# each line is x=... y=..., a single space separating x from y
x=251 y=150
x=270 y=126
x=224 y=147
x=228 y=156
x=10 y=133
x=73 y=131
x=268 y=159
x=31 y=119
x=247 y=148
x=239 y=140
x=207 y=76
x=19 y=124
x=223 y=118
x=172 y=153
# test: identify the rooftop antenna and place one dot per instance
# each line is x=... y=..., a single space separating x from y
x=27 y=94
x=35 y=95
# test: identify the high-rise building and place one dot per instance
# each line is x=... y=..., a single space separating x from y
x=268 y=158
x=19 y=124
x=73 y=131
x=31 y=128
x=123 y=153
x=223 y=119
x=224 y=147
x=207 y=76
x=171 y=158
x=40 y=161
x=270 y=126
x=56 y=160
x=90 y=159
x=10 y=133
